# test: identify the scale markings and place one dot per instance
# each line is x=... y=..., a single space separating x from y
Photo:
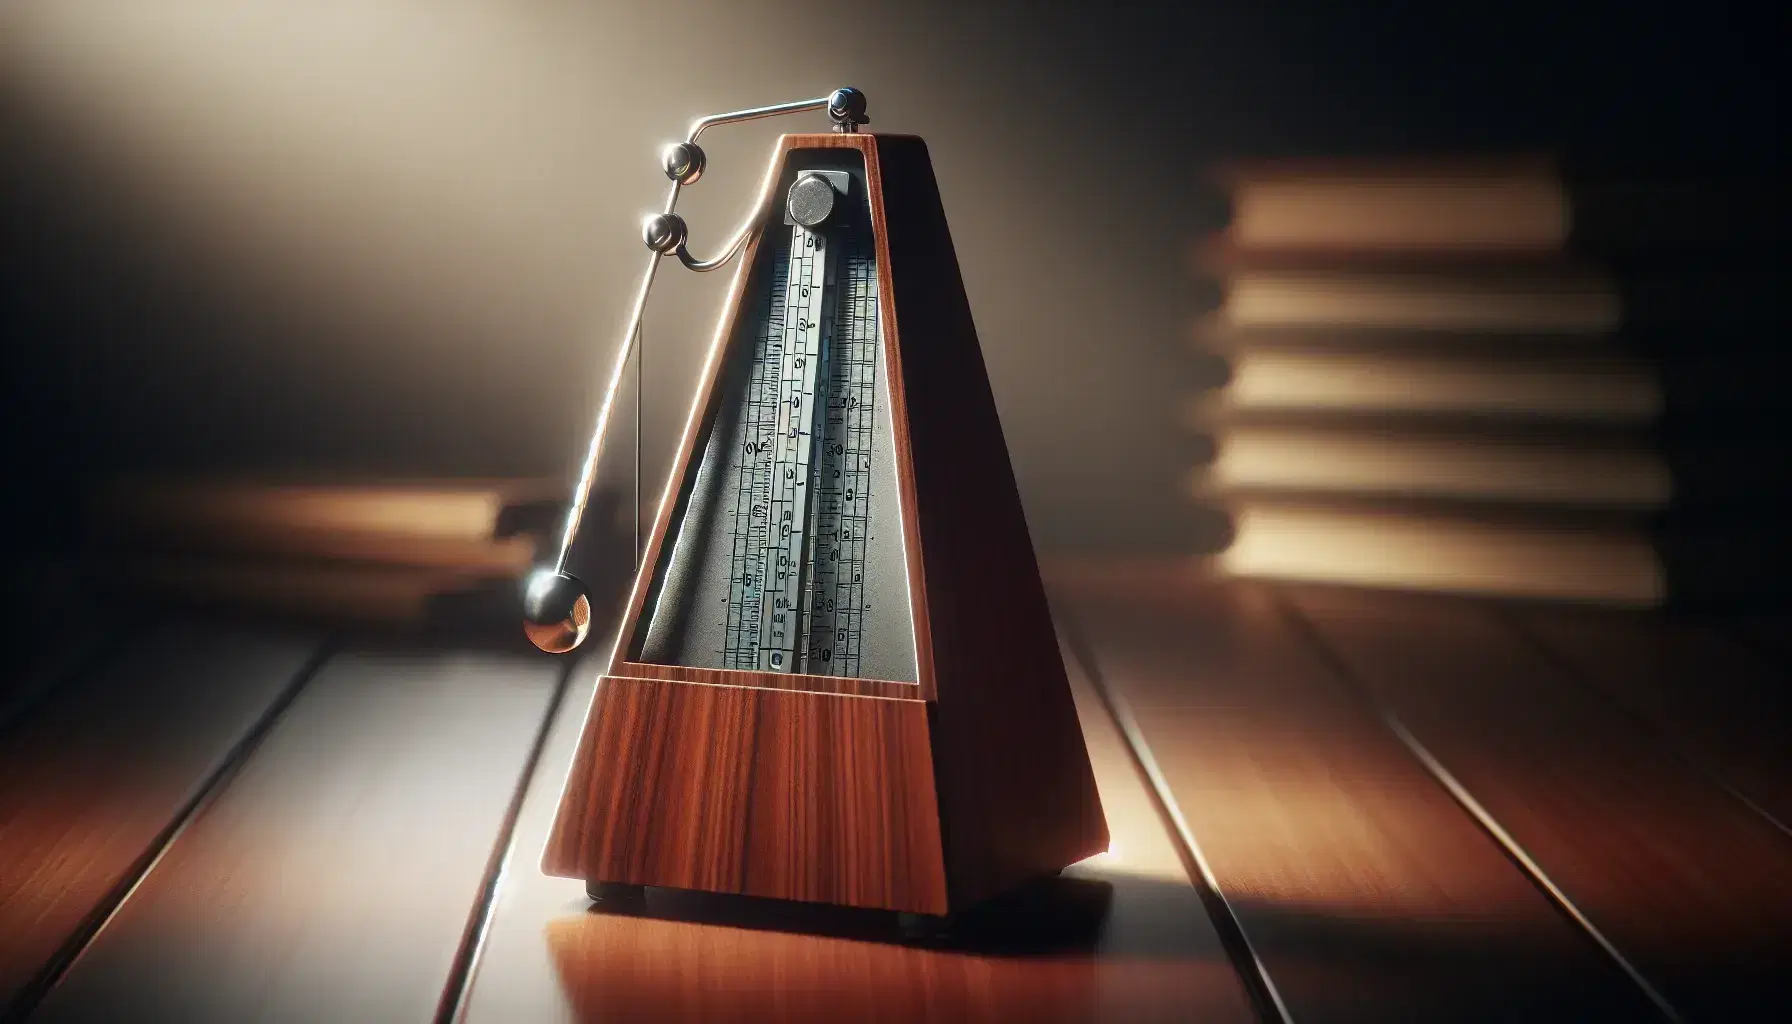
x=802 y=484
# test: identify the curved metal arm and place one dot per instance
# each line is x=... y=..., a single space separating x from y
x=721 y=259
x=703 y=124
x=849 y=118
x=739 y=239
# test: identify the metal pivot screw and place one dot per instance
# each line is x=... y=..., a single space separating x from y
x=683 y=162
x=663 y=232
x=811 y=200
x=846 y=108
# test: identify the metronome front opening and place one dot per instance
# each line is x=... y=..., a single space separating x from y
x=786 y=549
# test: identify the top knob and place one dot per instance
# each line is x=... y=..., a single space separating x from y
x=846 y=108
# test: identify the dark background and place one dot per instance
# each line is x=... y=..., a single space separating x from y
x=398 y=236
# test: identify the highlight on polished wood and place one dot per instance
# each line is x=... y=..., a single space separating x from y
x=809 y=796
x=942 y=764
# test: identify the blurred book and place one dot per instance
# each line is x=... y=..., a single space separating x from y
x=1482 y=208
x=1461 y=554
x=1603 y=390
x=379 y=552
x=1458 y=466
x=472 y=525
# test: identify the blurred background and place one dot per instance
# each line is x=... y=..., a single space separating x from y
x=1485 y=299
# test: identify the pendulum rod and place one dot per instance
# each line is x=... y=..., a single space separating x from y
x=556 y=609
x=666 y=236
x=581 y=494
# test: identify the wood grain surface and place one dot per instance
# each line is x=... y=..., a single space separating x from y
x=332 y=881
x=1689 y=885
x=1122 y=937
x=763 y=792
x=773 y=680
x=104 y=765
x=1367 y=893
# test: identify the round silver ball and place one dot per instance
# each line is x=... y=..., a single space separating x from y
x=683 y=162
x=664 y=232
x=556 y=610
x=847 y=105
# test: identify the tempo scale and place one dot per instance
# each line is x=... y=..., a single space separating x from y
x=836 y=678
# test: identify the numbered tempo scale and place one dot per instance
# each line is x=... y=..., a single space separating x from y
x=836 y=678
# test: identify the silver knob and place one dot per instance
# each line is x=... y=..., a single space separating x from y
x=846 y=108
x=811 y=200
x=664 y=232
x=683 y=162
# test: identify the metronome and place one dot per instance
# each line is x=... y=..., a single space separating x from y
x=836 y=678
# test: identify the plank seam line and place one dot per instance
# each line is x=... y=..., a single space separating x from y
x=203 y=796
x=1568 y=667
x=1466 y=800
x=470 y=953
x=1246 y=962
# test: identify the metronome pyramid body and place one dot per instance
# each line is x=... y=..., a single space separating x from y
x=836 y=678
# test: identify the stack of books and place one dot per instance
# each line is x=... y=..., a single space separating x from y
x=1494 y=377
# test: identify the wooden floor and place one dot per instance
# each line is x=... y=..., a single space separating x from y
x=1327 y=805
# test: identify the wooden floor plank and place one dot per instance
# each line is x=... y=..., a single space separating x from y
x=1702 y=692
x=1123 y=937
x=333 y=879
x=105 y=764
x=1367 y=893
x=1690 y=886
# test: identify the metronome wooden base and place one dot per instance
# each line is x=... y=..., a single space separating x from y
x=785 y=794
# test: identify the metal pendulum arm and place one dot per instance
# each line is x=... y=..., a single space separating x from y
x=556 y=606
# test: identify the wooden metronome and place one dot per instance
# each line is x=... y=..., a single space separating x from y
x=836 y=678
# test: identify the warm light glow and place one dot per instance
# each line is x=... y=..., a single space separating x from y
x=1341 y=462
x=1600 y=391
x=366 y=149
x=1445 y=554
x=1566 y=302
x=1522 y=206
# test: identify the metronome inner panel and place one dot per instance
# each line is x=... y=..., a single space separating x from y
x=785 y=550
